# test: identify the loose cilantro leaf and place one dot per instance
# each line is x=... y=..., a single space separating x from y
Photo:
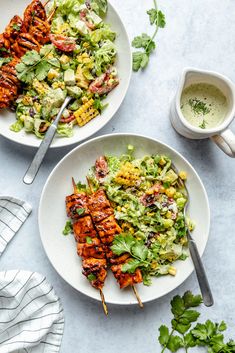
x=68 y=228
x=131 y=266
x=42 y=70
x=141 y=41
x=80 y=211
x=174 y=343
x=164 y=335
x=222 y=326
x=140 y=60
x=189 y=340
x=140 y=251
x=122 y=243
x=81 y=187
x=191 y=300
x=89 y=240
x=91 y=277
x=145 y=42
x=157 y=17
x=32 y=66
x=4 y=61
x=16 y=27
x=31 y=58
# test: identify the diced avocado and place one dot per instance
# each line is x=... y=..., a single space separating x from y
x=95 y=18
x=28 y=123
x=54 y=99
x=74 y=91
x=69 y=77
x=64 y=59
x=81 y=27
x=75 y=105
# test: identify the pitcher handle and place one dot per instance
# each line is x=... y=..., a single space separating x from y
x=226 y=142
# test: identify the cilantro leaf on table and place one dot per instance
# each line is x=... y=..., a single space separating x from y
x=174 y=343
x=164 y=335
x=141 y=41
x=140 y=60
x=145 y=42
x=157 y=17
x=208 y=335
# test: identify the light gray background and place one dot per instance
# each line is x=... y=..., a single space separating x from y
x=199 y=33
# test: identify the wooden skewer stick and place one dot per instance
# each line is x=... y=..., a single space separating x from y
x=133 y=287
x=137 y=297
x=103 y=302
x=45 y=4
x=75 y=190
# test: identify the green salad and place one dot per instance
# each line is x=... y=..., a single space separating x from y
x=77 y=60
x=148 y=198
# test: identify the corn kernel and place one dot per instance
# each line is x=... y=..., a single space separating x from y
x=52 y=74
x=162 y=161
x=172 y=271
x=37 y=107
x=170 y=191
x=183 y=175
x=162 y=190
x=168 y=215
x=150 y=192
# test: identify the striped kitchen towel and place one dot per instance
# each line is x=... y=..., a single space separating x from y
x=31 y=315
x=13 y=213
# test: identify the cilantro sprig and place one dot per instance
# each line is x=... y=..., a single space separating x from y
x=126 y=243
x=34 y=65
x=182 y=335
x=145 y=42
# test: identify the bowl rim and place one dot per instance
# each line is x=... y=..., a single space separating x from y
x=207 y=233
x=103 y=124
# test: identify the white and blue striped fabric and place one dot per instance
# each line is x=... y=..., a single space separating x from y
x=13 y=213
x=31 y=315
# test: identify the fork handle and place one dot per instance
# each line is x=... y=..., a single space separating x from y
x=44 y=146
x=200 y=272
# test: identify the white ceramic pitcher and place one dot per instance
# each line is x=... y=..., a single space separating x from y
x=221 y=134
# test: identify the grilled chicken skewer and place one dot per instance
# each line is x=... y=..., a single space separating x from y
x=19 y=37
x=89 y=246
x=102 y=215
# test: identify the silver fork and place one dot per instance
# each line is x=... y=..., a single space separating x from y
x=198 y=265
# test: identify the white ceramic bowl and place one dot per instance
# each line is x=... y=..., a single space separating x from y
x=115 y=98
x=61 y=250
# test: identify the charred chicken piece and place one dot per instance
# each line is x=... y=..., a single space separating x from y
x=95 y=250
x=107 y=229
x=83 y=228
x=9 y=83
x=40 y=30
x=97 y=268
x=74 y=203
x=24 y=43
x=35 y=9
x=5 y=46
x=99 y=206
x=126 y=279
x=14 y=28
